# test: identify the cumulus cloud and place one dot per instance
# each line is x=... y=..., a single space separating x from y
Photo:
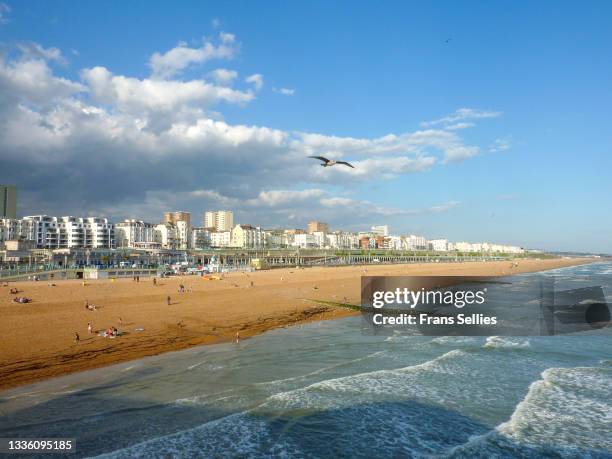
x=177 y=59
x=124 y=146
x=134 y=95
x=224 y=77
x=256 y=80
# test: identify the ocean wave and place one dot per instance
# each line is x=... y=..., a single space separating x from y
x=498 y=342
x=567 y=413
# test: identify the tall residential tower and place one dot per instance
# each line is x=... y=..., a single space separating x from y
x=8 y=201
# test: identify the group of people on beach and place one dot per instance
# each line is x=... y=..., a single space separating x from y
x=18 y=299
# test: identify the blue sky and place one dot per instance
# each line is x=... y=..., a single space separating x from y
x=534 y=77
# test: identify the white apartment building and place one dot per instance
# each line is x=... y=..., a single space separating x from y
x=183 y=234
x=320 y=239
x=380 y=230
x=339 y=240
x=200 y=238
x=276 y=238
x=165 y=235
x=135 y=234
x=305 y=241
x=413 y=242
x=438 y=245
x=220 y=238
x=247 y=236
x=394 y=242
x=12 y=229
x=220 y=220
x=72 y=232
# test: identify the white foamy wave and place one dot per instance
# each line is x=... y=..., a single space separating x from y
x=372 y=386
x=567 y=413
x=498 y=342
x=455 y=340
x=237 y=435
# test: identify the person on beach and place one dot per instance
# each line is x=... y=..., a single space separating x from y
x=237 y=337
x=77 y=338
x=168 y=300
x=120 y=321
x=89 y=328
x=154 y=281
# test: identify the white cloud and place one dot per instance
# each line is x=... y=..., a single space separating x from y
x=461 y=115
x=133 y=146
x=284 y=91
x=134 y=95
x=256 y=80
x=4 y=11
x=34 y=50
x=224 y=77
x=177 y=59
x=273 y=198
x=30 y=78
x=457 y=126
x=501 y=144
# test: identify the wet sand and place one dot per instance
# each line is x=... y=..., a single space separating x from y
x=38 y=339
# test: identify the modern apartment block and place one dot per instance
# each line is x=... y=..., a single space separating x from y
x=247 y=236
x=71 y=232
x=8 y=201
x=317 y=227
x=135 y=234
x=220 y=220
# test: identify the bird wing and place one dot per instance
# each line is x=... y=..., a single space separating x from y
x=322 y=158
x=345 y=163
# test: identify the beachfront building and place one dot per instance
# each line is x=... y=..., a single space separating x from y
x=247 y=236
x=71 y=232
x=177 y=216
x=304 y=241
x=8 y=201
x=183 y=234
x=220 y=220
x=135 y=234
x=200 y=238
x=340 y=240
x=165 y=235
x=413 y=242
x=276 y=238
x=320 y=239
x=16 y=229
x=317 y=227
x=380 y=230
x=220 y=238
x=438 y=245
x=394 y=243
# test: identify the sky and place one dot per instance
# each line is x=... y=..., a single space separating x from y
x=472 y=121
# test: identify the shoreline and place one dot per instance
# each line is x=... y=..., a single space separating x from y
x=41 y=343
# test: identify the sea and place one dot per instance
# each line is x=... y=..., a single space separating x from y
x=328 y=390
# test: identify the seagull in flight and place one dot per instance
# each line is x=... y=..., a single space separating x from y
x=331 y=162
x=448 y=40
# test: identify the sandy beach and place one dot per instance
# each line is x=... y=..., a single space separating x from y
x=38 y=341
